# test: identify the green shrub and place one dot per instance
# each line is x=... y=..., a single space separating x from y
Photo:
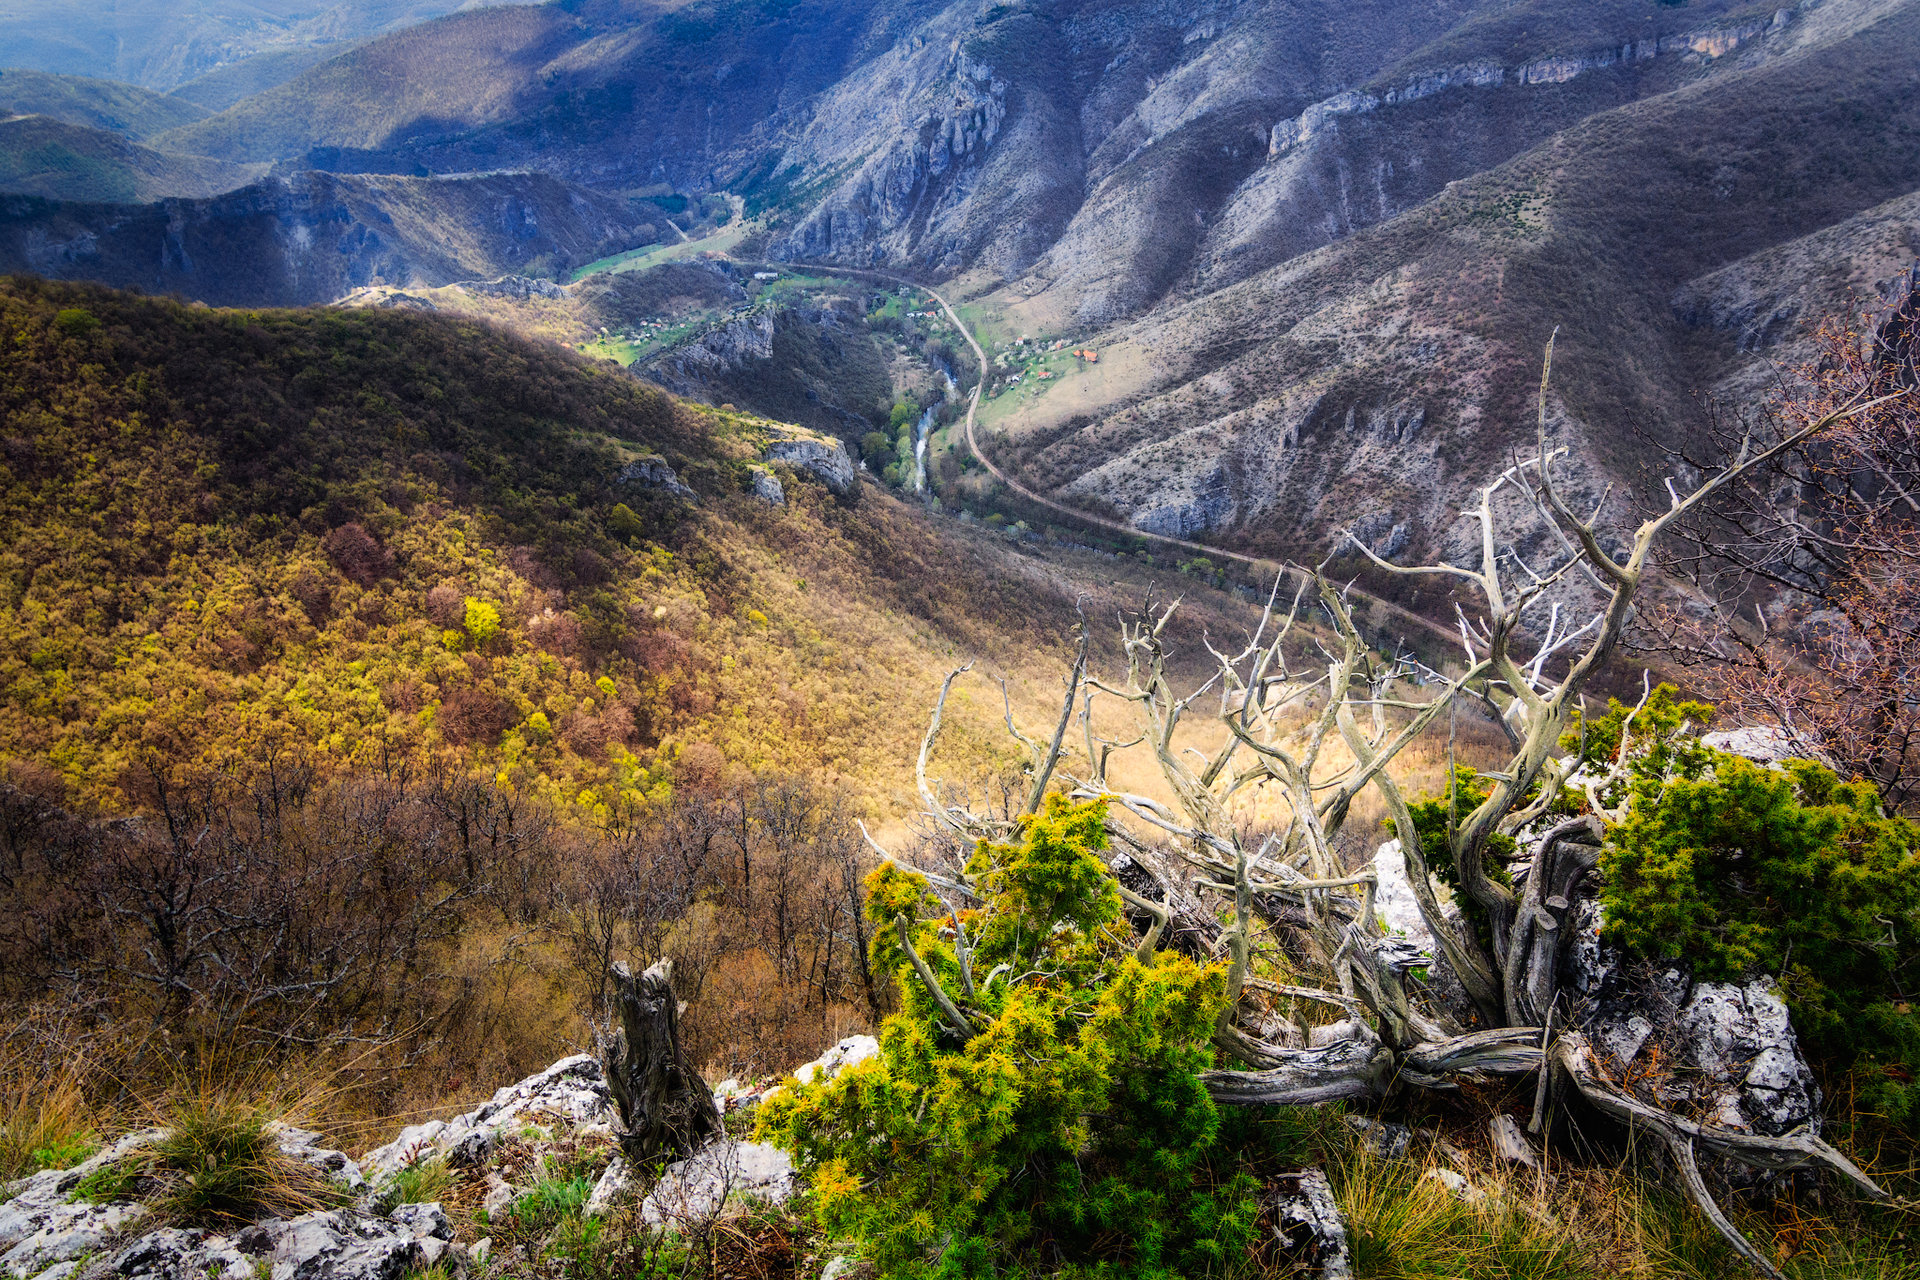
x=548 y=1203
x=1793 y=872
x=1742 y=869
x=1660 y=739
x=76 y=322
x=483 y=621
x=1072 y=1127
x=624 y=523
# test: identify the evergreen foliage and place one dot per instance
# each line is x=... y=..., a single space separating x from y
x=1070 y=1125
x=1746 y=870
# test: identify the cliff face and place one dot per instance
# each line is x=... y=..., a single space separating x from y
x=1292 y=222
x=1358 y=331
x=815 y=366
x=314 y=237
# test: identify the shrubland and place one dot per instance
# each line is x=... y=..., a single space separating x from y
x=362 y=714
x=354 y=702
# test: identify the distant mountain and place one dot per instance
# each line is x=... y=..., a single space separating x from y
x=318 y=236
x=60 y=161
x=94 y=104
x=235 y=81
x=163 y=43
x=1319 y=243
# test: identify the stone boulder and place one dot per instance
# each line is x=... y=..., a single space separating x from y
x=826 y=460
x=767 y=488
x=573 y=1091
x=652 y=472
x=47 y=1231
x=850 y=1052
x=42 y=1225
x=1721 y=1053
x=336 y=1244
x=698 y=1188
x=511 y=286
x=304 y=1145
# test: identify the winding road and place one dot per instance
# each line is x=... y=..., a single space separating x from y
x=1268 y=568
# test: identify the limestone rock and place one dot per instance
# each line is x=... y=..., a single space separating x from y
x=1762 y=744
x=698 y=1188
x=723 y=347
x=654 y=473
x=304 y=1145
x=850 y=1052
x=826 y=460
x=40 y=1223
x=613 y=1183
x=767 y=488
x=1726 y=1052
x=511 y=286
x=1308 y=1225
x=177 y=1254
x=336 y=1244
x=352 y=1244
x=572 y=1091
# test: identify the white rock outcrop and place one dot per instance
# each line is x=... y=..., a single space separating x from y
x=698 y=1188
x=826 y=460
x=1726 y=1052
x=572 y=1091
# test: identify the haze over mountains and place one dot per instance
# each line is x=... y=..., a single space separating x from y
x=1319 y=246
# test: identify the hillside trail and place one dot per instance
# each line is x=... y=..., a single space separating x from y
x=1268 y=568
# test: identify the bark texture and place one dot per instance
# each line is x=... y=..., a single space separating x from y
x=666 y=1109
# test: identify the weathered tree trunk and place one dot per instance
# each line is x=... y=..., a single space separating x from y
x=666 y=1109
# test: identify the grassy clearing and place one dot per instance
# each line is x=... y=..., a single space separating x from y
x=725 y=240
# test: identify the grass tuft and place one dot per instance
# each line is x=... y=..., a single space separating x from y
x=422 y=1182
x=220 y=1163
x=1403 y=1226
x=550 y=1202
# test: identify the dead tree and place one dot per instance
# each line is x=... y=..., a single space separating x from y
x=1315 y=735
x=666 y=1109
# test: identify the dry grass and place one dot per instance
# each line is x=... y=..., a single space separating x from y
x=220 y=1161
x=46 y=1121
x=1592 y=1222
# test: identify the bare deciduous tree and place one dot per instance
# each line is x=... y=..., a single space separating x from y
x=1808 y=571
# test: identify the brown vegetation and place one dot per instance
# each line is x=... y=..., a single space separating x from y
x=1809 y=577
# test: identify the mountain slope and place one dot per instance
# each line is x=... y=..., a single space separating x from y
x=1319 y=245
x=94 y=104
x=162 y=43
x=60 y=161
x=1381 y=375
x=317 y=236
x=231 y=82
x=230 y=534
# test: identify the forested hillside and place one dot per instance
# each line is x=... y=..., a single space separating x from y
x=368 y=536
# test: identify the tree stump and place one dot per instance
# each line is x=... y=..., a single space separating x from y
x=666 y=1109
